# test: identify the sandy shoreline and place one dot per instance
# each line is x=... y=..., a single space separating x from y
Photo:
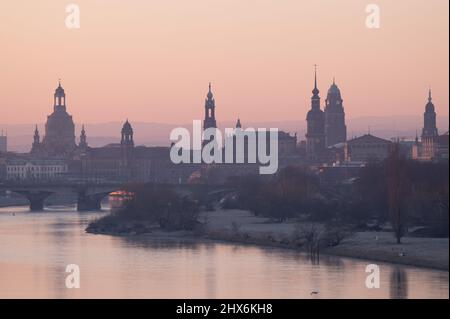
x=241 y=227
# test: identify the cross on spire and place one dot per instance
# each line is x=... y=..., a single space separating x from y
x=315 y=76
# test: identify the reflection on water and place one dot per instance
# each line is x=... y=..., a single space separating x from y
x=36 y=247
x=398 y=283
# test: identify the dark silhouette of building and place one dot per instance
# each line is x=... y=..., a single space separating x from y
x=127 y=162
x=238 y=123
x=442 y=142
x=335 y=129
x=83 y=145
x=59 y=138
x=127 y=149
x=429 y=131
x=315 y=134
x=210 y=109
x=36 y=146
x=3 y=143
x=287 y=144
x=366 y=148
x=429 y=119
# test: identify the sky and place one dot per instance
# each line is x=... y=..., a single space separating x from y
x=151 y=60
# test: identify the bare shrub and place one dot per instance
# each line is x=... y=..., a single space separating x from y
x=336 y=233
x=311 y=235
x=235 y=227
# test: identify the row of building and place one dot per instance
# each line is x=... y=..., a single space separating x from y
x=57 y=155
x=326 y=136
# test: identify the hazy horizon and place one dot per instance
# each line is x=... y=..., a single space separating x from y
x=189 y=121
x=20 y=136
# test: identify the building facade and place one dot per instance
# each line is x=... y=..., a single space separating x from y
x=127 y=162
x=33 y=169
x=3 y=143
x=366 y=148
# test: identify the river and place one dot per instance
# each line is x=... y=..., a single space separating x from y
x=36 y=247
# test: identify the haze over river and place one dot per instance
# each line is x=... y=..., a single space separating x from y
x=36 y=247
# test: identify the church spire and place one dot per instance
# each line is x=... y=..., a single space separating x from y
x=59 y=98
x=210 y=94
x=36 y=135
x=127 y=134
x=36 y=141
x=83 y=138
x=429 y=119
x=210 y=109
x=315 y=91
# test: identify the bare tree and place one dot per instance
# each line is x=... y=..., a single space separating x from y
x=397 y=191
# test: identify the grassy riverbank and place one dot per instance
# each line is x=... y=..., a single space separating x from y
x=241 y=226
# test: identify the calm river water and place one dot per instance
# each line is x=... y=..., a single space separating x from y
x=35 y=249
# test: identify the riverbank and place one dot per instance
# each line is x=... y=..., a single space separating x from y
x=241 y=226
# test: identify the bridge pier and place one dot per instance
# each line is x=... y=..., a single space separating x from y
x=36 y=198
x=89 y=202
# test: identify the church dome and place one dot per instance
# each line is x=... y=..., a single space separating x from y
x=126 y=128
x=59 y=90
x=429 y=107
x=59 y=133
x=334 y=90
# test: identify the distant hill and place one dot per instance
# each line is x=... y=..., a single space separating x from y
x=20 y=136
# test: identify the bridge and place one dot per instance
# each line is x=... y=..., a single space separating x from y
x=91 y=193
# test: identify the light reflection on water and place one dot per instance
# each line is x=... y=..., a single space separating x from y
x=36 y=247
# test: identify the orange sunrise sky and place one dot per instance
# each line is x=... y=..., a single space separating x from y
x=151 y=60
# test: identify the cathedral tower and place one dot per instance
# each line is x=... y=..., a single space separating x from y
x=210 y=109
x=127 y=148
x=59 y=139
x=127 y=135
x=429 y=119
x=315 y=134
x=429 y=131
x=36 y=141
x=335 y=129
x=59 y=98
x=83 y=139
